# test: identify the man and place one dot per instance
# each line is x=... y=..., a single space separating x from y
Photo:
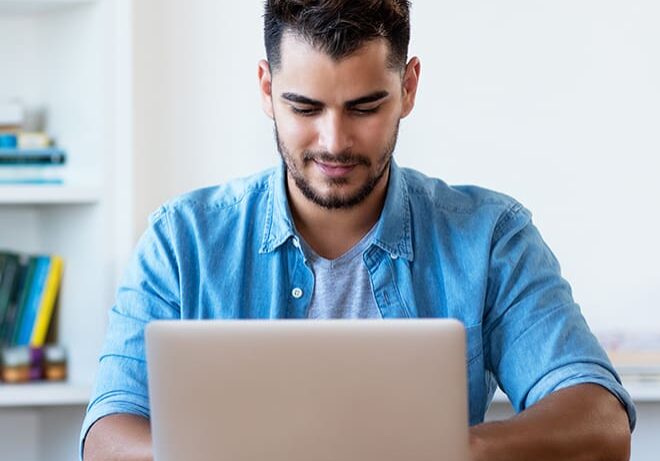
x=339 y=230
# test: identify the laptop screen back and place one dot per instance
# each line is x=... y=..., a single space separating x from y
x=298 y=390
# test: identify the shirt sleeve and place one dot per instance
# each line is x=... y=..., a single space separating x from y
x=536 y=339
x=150 y=290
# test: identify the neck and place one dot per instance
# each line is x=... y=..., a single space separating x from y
x=332 y=232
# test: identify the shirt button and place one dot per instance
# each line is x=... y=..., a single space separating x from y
x=296 y=243
x=393 y=256
x=297 y=293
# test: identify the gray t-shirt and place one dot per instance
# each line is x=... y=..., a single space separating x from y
x=342 y=288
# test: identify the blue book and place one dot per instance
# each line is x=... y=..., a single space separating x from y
x=34 y=297
x=30 y=181
x=21 y=300
x=48 y=156
x=32 y=166
x=8 y=141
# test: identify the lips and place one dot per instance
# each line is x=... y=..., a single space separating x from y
x=335 y=171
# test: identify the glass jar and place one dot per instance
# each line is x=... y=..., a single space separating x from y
x=55 y=368
x=16 y=364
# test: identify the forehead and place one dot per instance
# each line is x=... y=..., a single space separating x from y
x=308 y=71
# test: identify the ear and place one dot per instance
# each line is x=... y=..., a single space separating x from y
x=410 y=83
x=265 y=87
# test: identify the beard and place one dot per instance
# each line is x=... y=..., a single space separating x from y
x=336 y=201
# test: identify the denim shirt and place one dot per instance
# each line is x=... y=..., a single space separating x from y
x=467 y=253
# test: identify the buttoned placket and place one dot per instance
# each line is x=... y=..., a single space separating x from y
x=301 y=281
x=384 y=286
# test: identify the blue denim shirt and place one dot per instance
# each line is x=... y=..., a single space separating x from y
x=463 y=252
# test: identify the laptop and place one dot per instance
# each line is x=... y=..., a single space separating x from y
x=305 y=390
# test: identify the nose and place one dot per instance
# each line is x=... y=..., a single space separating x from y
x=334 y=133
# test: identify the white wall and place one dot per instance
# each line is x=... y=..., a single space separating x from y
x=556 y=103
x=197 y=115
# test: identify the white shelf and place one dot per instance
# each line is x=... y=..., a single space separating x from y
x=48 y=194
x=43 y=394
x=641 y=391
x=71 y=66
x=59 y=394
x=21 y=7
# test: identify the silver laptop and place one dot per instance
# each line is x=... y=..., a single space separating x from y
x=300 y=390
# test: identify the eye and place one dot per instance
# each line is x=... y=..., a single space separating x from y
x=306 y=112
x=365 y=111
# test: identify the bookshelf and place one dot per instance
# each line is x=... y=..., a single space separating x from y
x=641 y=391
x=43 y=395
x=27 y=7
x=49 y=195
x=70 y=64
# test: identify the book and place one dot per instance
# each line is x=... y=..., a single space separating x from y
x=9 y=268
x=34 y=291
x=8 y=140
x=12 y=332
x=16 y=157
x=47 y=302
x=9 y=321
x=3 y=262
x=33 y=140
x=32 y=166
x=25 y=140
x=32 y=174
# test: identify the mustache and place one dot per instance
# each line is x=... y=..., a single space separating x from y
x=343 y=158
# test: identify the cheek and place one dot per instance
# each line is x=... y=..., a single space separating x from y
x=377 y=131
x=296 y=134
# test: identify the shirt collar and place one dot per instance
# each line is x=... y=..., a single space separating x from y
x=393 y=230
x=279 y=223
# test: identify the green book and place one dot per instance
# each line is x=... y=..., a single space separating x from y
x=10 y=287
x=22 y=301
x=3 y=305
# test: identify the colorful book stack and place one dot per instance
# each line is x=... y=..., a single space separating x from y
x=29 y=288
x=27 y=157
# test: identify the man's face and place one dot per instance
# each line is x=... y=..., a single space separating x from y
x=336 y=122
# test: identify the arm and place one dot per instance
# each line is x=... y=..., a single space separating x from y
x=121 y=436
x=538 y=345
x=148 y=291
x=584 y=422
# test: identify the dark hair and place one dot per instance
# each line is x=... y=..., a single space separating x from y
x=338 y=27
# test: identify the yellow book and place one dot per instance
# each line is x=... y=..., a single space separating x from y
x=47 y=303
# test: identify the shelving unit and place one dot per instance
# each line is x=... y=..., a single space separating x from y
x=49 y=195
x=30 y=7
x=69 y=62
x=641 y=391
x=43 y=395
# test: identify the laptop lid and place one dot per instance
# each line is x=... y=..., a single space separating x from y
x=300 y=390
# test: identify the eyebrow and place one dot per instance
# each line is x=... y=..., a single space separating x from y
x=373 y=97
x=300 y=99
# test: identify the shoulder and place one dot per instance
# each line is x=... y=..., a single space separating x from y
x=223 y=200
x=434 y=197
